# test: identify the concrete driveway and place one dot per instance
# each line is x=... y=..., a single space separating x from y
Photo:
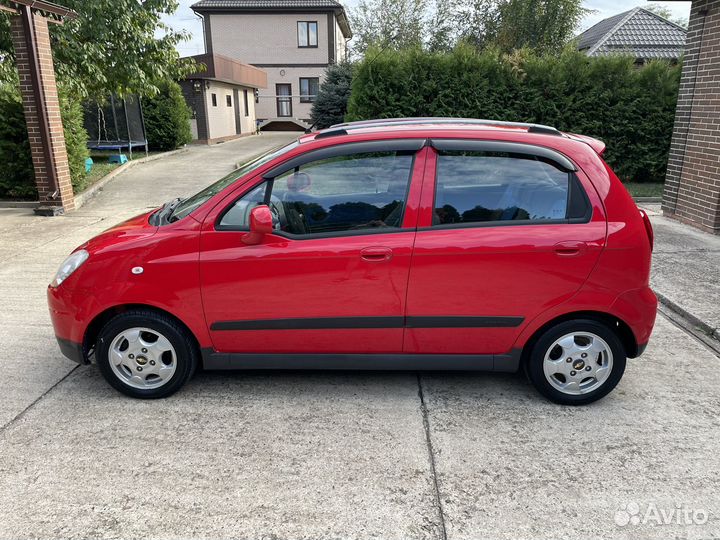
x=292 y=455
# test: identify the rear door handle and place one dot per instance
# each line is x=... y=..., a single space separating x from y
x=570 y=248
x=376 y=254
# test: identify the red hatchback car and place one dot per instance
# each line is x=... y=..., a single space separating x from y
x=423 y=244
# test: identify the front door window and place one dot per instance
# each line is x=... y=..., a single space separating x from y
x=340 y=194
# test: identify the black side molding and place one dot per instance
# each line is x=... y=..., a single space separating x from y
x=322 y=323
x=463 y=322
x=334 y=323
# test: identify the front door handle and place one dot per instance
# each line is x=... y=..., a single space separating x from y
x=570 y=248
x=376 y=254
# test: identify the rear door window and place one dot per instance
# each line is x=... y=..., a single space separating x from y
x=478 y=186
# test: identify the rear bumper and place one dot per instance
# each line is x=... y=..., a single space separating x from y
x=638 y=308
x=72 y=350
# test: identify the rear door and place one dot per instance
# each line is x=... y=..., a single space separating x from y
x=508 y=231
x=332 y=278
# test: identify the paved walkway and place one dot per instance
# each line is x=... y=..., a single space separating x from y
x=330 y=455
x=686 y=268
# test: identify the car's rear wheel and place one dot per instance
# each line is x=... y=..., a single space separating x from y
x=576 y=362
x=145 y=354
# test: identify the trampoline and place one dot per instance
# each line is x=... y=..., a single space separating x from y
x=116 y=124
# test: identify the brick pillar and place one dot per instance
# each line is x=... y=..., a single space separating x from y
x=50 y=161
x=692 y=183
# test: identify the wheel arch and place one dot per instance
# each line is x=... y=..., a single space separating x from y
x=614 y=323
x=101 y=319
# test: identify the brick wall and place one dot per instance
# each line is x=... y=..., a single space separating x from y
x=48 y=90
x=692 y=185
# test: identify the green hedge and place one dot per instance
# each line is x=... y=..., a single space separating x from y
x=167 y=119
x=632 y=109
x=76 y=138
x=17 y=177
x=16 y=169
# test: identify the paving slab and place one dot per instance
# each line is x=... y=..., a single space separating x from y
x=243 y=455
x=512 y=466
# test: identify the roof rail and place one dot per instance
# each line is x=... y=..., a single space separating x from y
x=532 y=128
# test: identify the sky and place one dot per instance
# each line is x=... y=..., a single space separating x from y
x=185 y=19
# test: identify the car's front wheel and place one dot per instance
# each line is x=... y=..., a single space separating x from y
x=145 y=354
x=576 y=362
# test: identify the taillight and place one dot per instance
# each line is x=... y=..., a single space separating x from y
x=648 y=228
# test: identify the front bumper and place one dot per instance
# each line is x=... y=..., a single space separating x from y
x=68 y=313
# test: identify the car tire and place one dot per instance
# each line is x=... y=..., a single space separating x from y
x=145 y=354
x=576 y=362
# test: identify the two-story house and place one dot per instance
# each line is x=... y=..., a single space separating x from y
x=293 y=41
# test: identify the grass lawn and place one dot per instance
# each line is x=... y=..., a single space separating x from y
x=96 y=173
x=101 y=167
x=645 y=189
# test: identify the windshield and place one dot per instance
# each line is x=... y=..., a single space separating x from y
x=190 y=204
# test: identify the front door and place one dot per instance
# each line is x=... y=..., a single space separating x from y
x=284 y=99
x=508 y=233
x=333 y=276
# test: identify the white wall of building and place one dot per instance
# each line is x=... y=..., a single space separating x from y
x=247 y=121
x=267 y=107
x=221 y=117
x=267 y=38
x=270 y=42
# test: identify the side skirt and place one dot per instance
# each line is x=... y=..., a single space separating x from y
x=508 y=363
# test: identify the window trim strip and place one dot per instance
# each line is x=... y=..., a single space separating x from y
x=392 y=145
x=469 y=145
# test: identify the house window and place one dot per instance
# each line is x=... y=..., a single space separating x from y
x=228 y=100
x=214 y=99
x=307 y=33
x=245 y=99
x=309 y=87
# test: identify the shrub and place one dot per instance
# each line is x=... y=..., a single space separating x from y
x=167 y=119
x=632 y=109
x=16 y=169
x=17 y=177
x=75 y=140
x=330 y=105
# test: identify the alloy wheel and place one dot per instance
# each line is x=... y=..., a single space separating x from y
x=578 y=363
x=142 y=358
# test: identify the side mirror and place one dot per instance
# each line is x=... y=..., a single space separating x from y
x=261 y=223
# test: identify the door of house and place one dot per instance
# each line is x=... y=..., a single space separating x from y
x=284 y=99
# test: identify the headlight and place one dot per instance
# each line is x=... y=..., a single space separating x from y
x=70 y=264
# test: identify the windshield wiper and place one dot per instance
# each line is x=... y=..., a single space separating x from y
x=171 y=209
x=166 y=211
